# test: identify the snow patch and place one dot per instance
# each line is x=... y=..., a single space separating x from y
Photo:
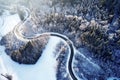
x=44 y=69
x=9 y=23
x=113 y=78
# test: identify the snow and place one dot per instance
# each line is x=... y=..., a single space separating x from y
x=1 y=21
x=87 y=59
x=9 y=23
x=113 y=78
x=44 y=69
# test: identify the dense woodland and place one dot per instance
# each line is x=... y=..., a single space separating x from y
x=90 y=24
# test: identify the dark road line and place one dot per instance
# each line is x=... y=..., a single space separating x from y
x=68 y=41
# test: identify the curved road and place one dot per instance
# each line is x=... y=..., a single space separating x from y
x=69 y=42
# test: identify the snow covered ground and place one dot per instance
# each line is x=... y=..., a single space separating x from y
x=9 y=23
x=44 y=69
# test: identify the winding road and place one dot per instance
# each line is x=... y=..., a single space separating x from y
x=68 y=41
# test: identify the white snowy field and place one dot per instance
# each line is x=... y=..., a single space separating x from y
x=44 y=69
x=8 y=23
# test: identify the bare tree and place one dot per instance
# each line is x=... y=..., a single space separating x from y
x=7 y=76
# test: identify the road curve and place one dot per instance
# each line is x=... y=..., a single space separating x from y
x=68 y=41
